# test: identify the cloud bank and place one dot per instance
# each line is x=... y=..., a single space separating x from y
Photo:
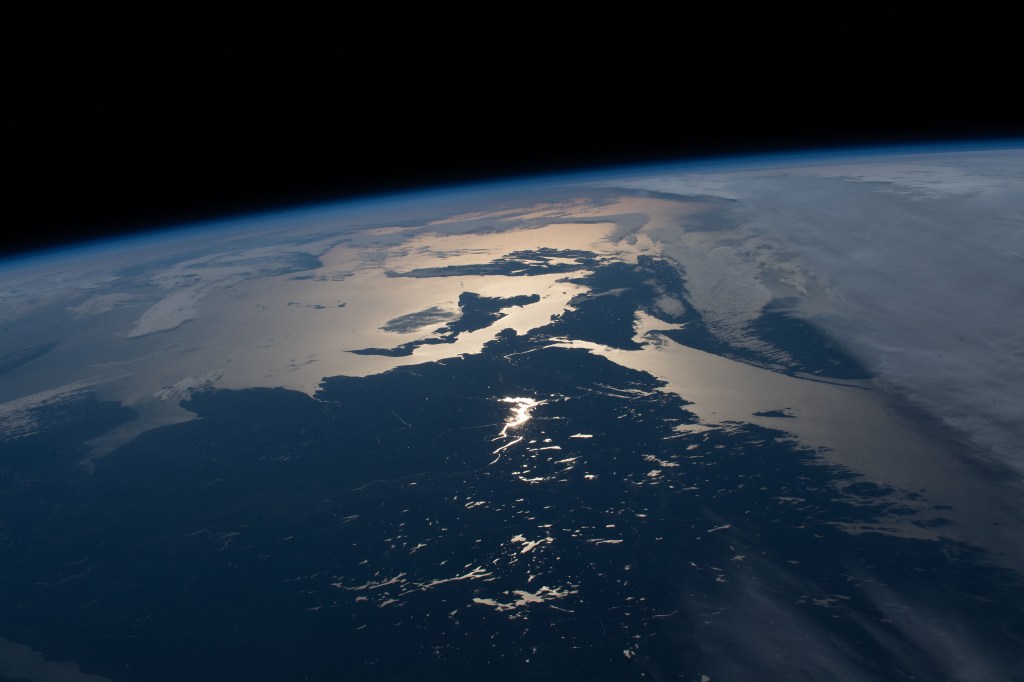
x=916 y=264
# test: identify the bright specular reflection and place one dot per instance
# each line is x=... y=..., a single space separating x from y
x=521 y=412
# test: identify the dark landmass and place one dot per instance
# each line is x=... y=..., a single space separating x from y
x=404 y=324
x=311 y=538
x=316 y=306
x=780 y=414
x=478 y=312
x=386 y=529
x=517 y=264
x=618 y=290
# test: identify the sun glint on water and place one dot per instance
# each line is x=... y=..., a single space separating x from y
x=521 y=412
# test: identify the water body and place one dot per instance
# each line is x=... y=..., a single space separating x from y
x=533 y=510
x=662 y=425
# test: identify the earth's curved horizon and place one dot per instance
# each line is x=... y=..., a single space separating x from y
x=745 y=419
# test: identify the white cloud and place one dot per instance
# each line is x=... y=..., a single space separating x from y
x=172 y=311
x=918 y=266
x=17 y=417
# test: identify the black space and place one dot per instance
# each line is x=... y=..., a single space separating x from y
x=122 y=123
